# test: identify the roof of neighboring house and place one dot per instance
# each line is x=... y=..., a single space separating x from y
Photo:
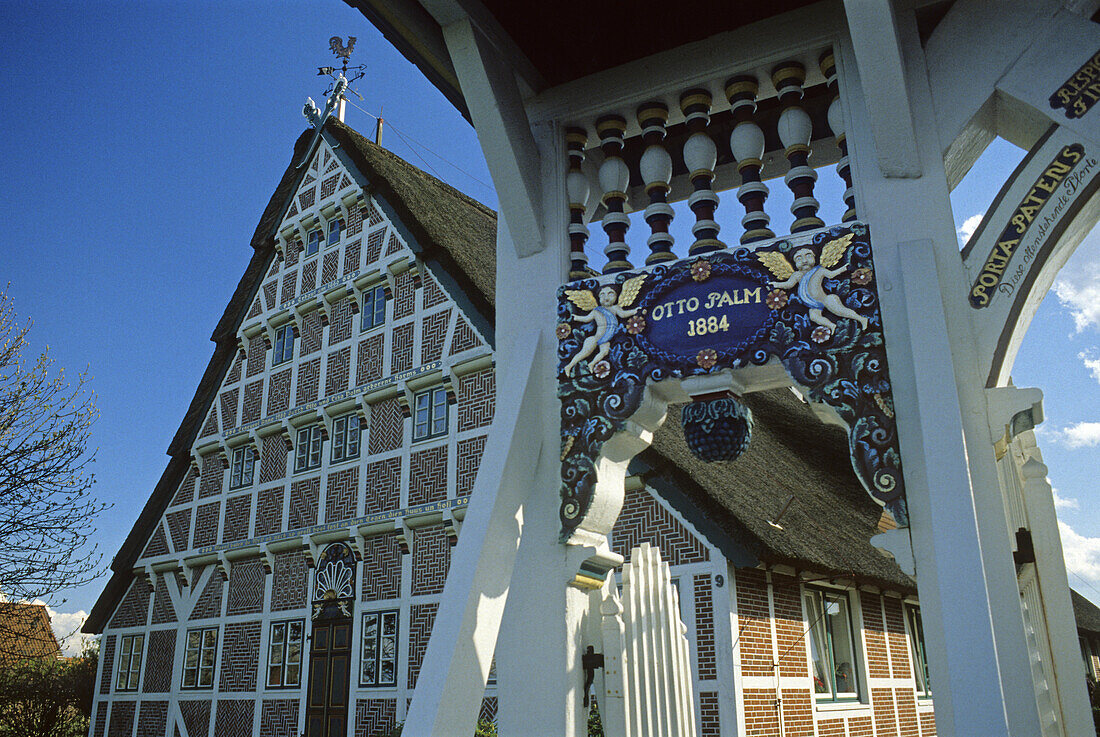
x=25 y=633
x=1085 y=613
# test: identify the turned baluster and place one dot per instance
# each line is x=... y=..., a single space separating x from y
x=795 y=131
x=576 y=186
x=656 y=170
x=836 y=123
x=614 y=181
x=700 y=157
x=747 y=145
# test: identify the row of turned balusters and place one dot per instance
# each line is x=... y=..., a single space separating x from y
x=700 y=157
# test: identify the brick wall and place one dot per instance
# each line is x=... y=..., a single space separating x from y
x=210 y=427
x=927 y=724
x=383 y=486
x=754 y=623
x=353 y=251
x=240 y=658
x=341 y=322
x=279 y=718
x=375 y=716
x=290 y=581
x=860 y=727
x=830 y=728
x=196 y=717
x=229 y=408
x=422 y=617
x=488 y=712
x=238 y=511
x=234 y=718
x=368 y=361
x=328 y=186
x=206 y=524
x=270 y=290
x=122 y=719
x=234 y=374
x=257 y=357
x=309 y=377
x=404 y=295
x=643 y=519
x=381 y=568
x=253 y=398
x=269 y=511
x=159 y=660
x=209 y=604
x=186 y=492
x=163 y=611
x=107 y=669
x=307 y=197
x=374 y=241
x=433 y=295
x=432 y=336
x=431 y=558
x=464 y=337
x=476 y=399
x=342 y=494
x=798 y=713
x=874 y=637
x=392 y=244
x=469 y=453
x=789 y=630
x=158 y=543
x=895 y=636
x=907 y=712
x=428 y=476
x=179 y=527
x=210 y=477
x=710 y=724
x=311 y=333
x=99 y=727
x=303 y=503
x=336 y=375
x=290 y=284
x=134 y=608
x=246 y=587
x=386 y=424
x=401 y=354
x=882 y=704
x=704 y=627
x=309 y=275
x=331 y=267
x=761 y=716
x=273 y=459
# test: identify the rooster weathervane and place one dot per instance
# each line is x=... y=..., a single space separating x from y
x=342 y=52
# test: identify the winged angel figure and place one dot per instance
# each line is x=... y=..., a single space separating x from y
x=808 y=276
x=611 y=308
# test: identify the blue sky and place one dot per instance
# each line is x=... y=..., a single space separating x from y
x=144 y=140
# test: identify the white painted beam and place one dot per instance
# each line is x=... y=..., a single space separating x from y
x=503 y=130
x=873 y=27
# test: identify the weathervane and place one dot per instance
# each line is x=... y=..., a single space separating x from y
x=344 y=53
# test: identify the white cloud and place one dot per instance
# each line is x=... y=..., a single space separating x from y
x=969 y=226
x=1092 y=363
x=66 y=628
x=1078 y=284
x=1082 y=556
x=1082 y=435
x=1061 y=502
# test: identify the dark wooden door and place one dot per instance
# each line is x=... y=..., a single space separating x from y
x=329 y=673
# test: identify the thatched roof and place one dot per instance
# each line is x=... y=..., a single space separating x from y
x=1085 y=613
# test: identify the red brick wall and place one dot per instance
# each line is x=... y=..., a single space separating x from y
x=790 y=637
x=211 y=425
x=374 y=241
x=422 y=617
x=353 y=251
x=186 y=492
x=464 y=337
x=196 y=717
x=428 y=476
x=246 y=588
x=381 y=568
x=234 y=374
x=209 y=604
x=643 y=519
x=279 y=717
x=368 y=361
x=386 y=424
x=798 y=713
x=328 y=186
x=273 y=459
x=336 y=375
x=159 y=659
x=476 y=399
x=289 y=582
x=342 y=494
x=309 y=275
x=304 y=496
x=163 y=611
x=179 y=527
x=107 y=664
x=830 y=728
x=710 y=724
x=404 y=295
x=331 y=267
x=238 y=509
x=392 y=245
x=882 y=704
x=895 y=636
x=907 y=712
x=927 y=724
x=278 y=392
x=229 y=408
x=240 y=657
x=340 y=322
x=158 y=544
x=704 y=628
x=257 y=357
x=433 y=334
x=206 y=524
x=860 y=727
x=469 y=459
x=210 y=477
x=753 y=623
x=134 y=607
x=874 y=637
x=290 y=284
x=311 y=333
x=122 y=719
x=433 y=295
x=761 y=716
x=401 y=354
x=234 y=718
x=270 y=290
x=375 y=716
x=431 y=558
x=253 y=398
x=383 y=486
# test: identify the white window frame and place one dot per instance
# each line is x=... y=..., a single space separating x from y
x=243 y=468
x=818 y=626
x=373 y=314
x=203 y=643
x=131 y=648
x=313 y=244
x=338 y=225
x=307 y=449
x=430 y=414
x=372 y=649
x=347 y=438
x=284 y=344
x=917 y=652
x=282 y=656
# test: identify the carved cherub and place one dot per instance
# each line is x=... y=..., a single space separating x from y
x=611 y=308
x=808 y=275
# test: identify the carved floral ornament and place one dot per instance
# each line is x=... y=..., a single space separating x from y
x=809 y=301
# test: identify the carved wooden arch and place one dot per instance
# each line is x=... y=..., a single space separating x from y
x=610 y=378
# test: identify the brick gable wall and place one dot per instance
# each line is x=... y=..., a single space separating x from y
x=469 y=452
x=303 y=503
x=381 y=568
x=234 y=718
x=159 y=660
x=644 y=519
x=428 y=476
x=368 y=360
x=246 y=588
x=269 y=511
x=431 y=553
x=386 y=425
x=476 y=399
x=134 y=608
x=422 y=617
x=290 y=576
x=240 y=658
x=341 y=494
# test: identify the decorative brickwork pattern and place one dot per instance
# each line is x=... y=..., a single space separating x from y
x=464 y=337
x=159 y=661
x=704 y=627
x=273 y=459
x=158 y=543
x=179 y=528
x=433 y=335
x=269 y=511
x=257 y=357
x=368 y=361
x=831 y=728
x=278 y=392
x=99 y=728
x=122 y=719
x=279 y=718
x=293 y=249
x=303 y=503
x=206 y=524
x=107 y=667
x=404 y=295
x=431 y=558
x=927 y=724
x=341 y=321
x=256 y=308
x=422 y=617
x=339 y=366
x=342 y=494
x=882 y=704
x=196 y=717
x=874 y=636
x=328 y=186
x=907 y=712
x=210 y=477
x=477 y=394
x=290 y=284
x=229 y=408
x=238 y=510
x=240 y=658
x=234 y=374
x=253 y=398
x=643 y=519
x=354 y=250
x=134 y=609
x=209 y=605
x=271 y=290
x=754 y=624
x=375 y=716
x=309 y=275
x=234 y=718
x=709 y=722
x=246 y=588
x=790 y=636
x=895 y=636
x=289 y=581
x=428 y=476
x=469 y=453
x=211 y=425
x=386 y=425
x=274 y=267
x=761 y=716
x=311 y=333
x=163 y=611
x=306 y=198
x=309 y=377
x=393 y=245
x=186 y=492
x=374 y=244
x=331 y=267
x=383 y=486
x=381 y=567
x=433 y=294
x=401 y=353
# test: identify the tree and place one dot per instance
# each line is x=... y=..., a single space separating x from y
x=47 y=511
x=48 y=697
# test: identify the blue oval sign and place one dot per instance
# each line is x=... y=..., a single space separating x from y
x=721 y=313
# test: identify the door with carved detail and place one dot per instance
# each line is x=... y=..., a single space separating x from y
x=330 y=643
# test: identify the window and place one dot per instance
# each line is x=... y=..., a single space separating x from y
x=308 y=449
x=430 y=420
x=284 y=344
x=334 y=229
x=920 y=661
x=374 y=308
x=198 y=658
x=129 y=662
x=313 y=242
x=379 y=661
x=345 y=438
x=832 y=645
x=244 y=463
x=284 y=654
